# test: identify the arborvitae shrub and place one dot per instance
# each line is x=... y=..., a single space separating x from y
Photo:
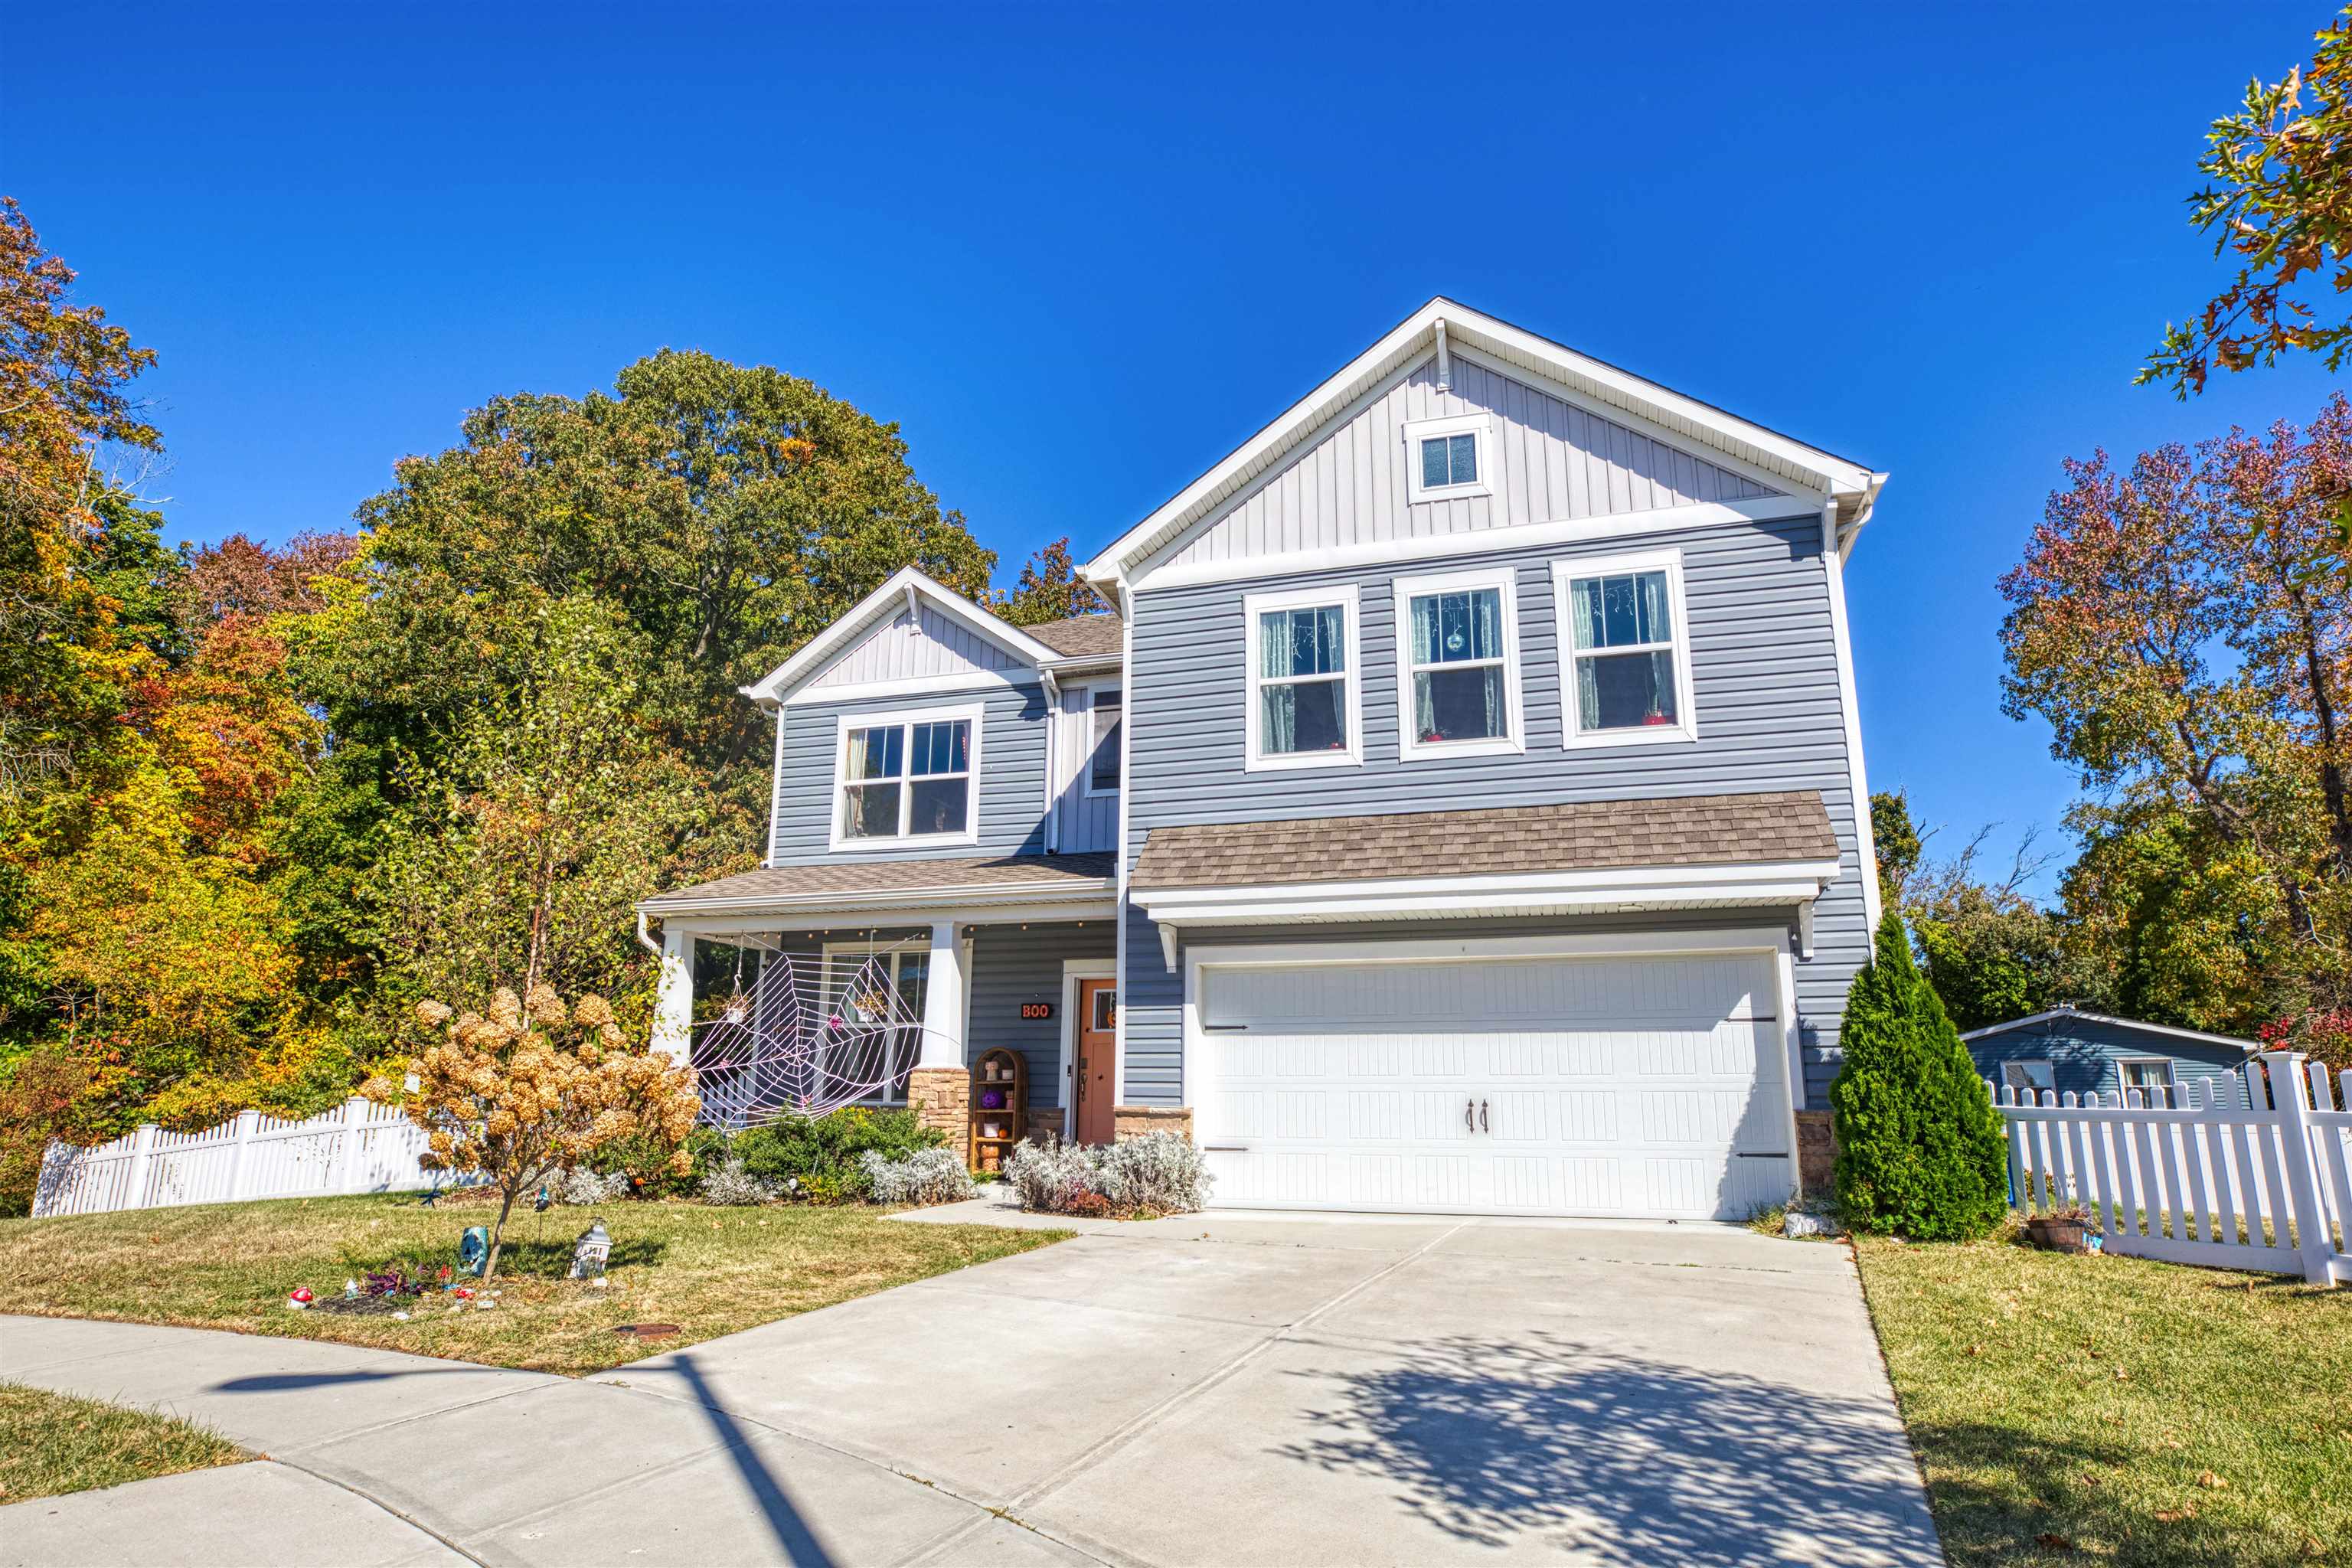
x=1919 y=1146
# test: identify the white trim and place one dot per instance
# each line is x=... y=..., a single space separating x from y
x=909 y=586
x=744 y=918
x=2230 y=1040
x=1480 y=426
x=1073 y=971
x=1094 y=690
x=1792 y=462
x=775 y=787
x=1570 y=568
x=1402 y=592
x=1865 y=836
x=914 y=686
x=1123 y=601
x=1508 y=536
x=2048 y=1064
x=889 y=718
x=1789 y=883
x=1344 y=596
x=1792 y=1044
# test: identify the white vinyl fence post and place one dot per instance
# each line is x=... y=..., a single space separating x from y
x=142 y=1161
x=247 y=1123
x=354 y=1119
x=2288 y=1087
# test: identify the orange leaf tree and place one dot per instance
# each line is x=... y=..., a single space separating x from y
x=536 y=1088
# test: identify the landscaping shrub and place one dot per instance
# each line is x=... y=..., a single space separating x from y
x=730 y=1186
x=825 y=1155
x=1919 y=1148
x=925 y=1176
x=1154 y=1174
x=583 y=1187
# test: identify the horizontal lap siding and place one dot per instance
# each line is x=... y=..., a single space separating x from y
x=2082 y=1054
x=1770 y=717
x=1010 y=966
x=1012 y=776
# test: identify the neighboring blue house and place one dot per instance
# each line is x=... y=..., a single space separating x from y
x=2085 y=1053
x=1460 y=809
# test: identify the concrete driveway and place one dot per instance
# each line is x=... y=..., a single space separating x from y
x=1212 y=1390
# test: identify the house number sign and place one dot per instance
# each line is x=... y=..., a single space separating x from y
x=1037 y=1009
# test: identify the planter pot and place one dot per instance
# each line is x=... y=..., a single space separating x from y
x=2058 y=1234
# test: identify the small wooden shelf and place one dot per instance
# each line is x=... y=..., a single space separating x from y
x=1004 y=1072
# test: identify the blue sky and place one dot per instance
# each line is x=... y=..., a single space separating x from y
x=1080 y=254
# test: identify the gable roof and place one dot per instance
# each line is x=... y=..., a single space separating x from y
x=1099 y=636
x=1808 y=469
x=2232 y=1042
x=905 y=586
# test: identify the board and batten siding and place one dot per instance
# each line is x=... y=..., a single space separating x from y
x=1085 y=822
x=2083 y=1055
x=1557 y=462
x=1012 y=776
x=900 y=648
x=1764 y=657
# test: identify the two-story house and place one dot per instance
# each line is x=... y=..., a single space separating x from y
x=1462 y=809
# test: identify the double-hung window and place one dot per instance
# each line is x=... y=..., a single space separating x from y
x=1106 y=711
x=1457 y=665
x=2151 y=1076
x=1626 y=641
x=1449 y=459
x=910 y=778
x=1304 y=702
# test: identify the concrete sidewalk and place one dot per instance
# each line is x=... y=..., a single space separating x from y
x=1209 y=1389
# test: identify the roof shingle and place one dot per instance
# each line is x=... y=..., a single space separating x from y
x=1081 y=637
x=867 y=877
x=1781 y=825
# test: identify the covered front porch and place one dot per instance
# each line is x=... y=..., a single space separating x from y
x=951 y=963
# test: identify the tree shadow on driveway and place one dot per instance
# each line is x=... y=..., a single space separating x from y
x=1542 y=1442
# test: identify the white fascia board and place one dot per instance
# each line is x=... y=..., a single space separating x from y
x=909 y=586
x=913 y=686
x=2232 y=1041
x=1014 y=896
x=1442 y=950
x=1688 y=886
x=1792 y=462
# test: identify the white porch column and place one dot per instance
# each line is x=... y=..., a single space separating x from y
x=673 y=998
x=943 y=1000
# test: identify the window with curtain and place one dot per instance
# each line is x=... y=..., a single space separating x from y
x=907 y=780
x=1457 y=667
x=1109 y=710
x=2153 y=1079
x=1622 y=625
x=1302 y=681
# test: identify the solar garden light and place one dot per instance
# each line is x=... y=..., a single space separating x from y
x=590 y=1252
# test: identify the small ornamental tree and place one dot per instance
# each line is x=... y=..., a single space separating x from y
x=535 y=1089
x=1919 y=1143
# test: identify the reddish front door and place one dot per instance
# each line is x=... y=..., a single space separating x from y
x=1092 y=1074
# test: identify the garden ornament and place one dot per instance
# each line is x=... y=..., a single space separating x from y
x=590 y=1252
x=474 y=1249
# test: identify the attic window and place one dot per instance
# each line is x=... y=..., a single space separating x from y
x=1447 y=458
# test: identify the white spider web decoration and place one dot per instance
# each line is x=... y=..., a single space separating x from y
x=810 y=1037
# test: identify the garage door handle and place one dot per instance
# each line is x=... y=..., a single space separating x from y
x=1483 y=1125
x=1470 y=1114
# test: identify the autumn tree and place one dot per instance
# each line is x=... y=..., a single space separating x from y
x=535 y=1088
x=1048 y=589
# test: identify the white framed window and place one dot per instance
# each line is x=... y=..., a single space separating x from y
x=2029 y=1076
x=864 y=1043
x=1448 y=459
x=1305 y=690
x=909 y=778
x=1106 y=713
x=1624 y=638
x=1458 y=664
x=2152 y=1077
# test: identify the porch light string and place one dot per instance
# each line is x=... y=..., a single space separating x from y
x=811 y=1035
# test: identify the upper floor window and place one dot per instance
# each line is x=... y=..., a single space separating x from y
x=908 y=777
x=1106 y=715
x=1445 y=458
x=1458 y=664
x=1305 y=706
x=1622 y=628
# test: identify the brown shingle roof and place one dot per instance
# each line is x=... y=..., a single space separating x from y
x=1080 y=636
x=1589 y=835
x=867 y=877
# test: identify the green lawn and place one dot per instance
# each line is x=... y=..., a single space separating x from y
x=2069 y=1408
x=711 y=1271
x=51 y=1443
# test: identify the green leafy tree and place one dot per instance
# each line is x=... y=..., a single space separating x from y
x=1048 y=589
x=1919 y=1148
x=1897 y=841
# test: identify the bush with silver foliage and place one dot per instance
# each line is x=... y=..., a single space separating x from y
x=925 y=1176
x=1157 y=1174
x=584 y=1188
x=730 y=1186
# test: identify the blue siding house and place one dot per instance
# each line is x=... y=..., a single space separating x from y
x=1460 y=806
x=2081 y=1053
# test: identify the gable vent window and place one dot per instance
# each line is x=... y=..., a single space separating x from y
x=1627 y=639
x=1449 y=460
x=1107 y=713
x=907 y=779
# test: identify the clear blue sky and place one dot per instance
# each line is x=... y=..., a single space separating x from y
x=1080 y=254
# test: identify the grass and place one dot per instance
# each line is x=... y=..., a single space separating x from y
x=2068 y=1408
x=51 y=1444
x=711 y=1271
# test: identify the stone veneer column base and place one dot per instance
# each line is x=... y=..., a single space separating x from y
x=941 y=1097
x=1816 y=1154
x=1135 y=1121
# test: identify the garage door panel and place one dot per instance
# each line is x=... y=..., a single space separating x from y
x=1605 y=1087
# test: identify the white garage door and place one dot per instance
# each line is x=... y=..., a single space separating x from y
x=1648 y=1087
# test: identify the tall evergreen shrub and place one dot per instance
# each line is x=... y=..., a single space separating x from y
x=1919 y=1146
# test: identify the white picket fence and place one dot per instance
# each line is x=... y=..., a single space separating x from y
x=359 y=1147
x=2264 y=1186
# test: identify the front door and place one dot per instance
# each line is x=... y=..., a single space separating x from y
x=1092 y=1074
